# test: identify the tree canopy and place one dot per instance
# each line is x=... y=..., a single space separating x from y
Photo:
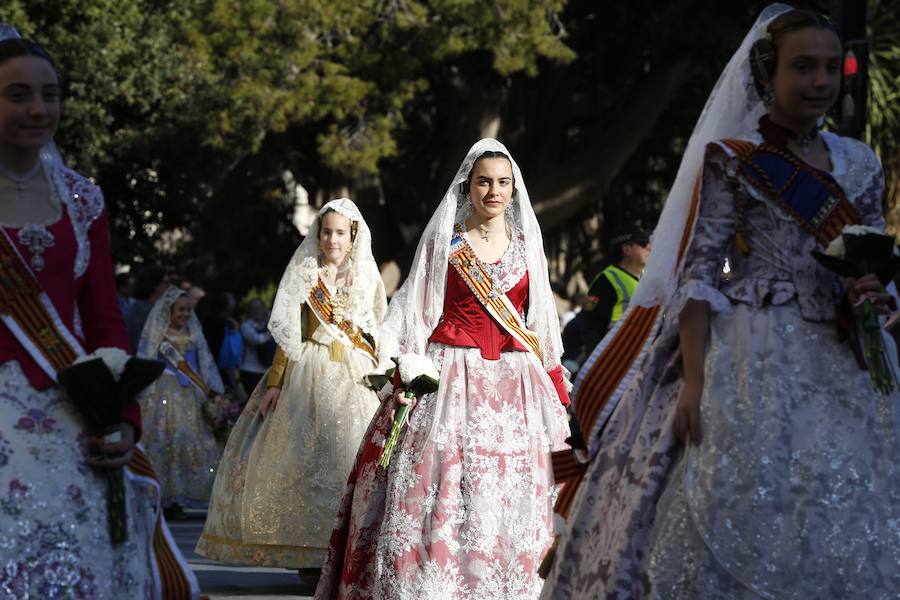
x=197 y=116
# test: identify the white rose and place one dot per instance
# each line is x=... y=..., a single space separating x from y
x=860 y=230
x=114 y=359
x=413 y=365
x=836 y=248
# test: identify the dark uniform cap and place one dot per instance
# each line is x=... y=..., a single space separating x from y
x=629 y=234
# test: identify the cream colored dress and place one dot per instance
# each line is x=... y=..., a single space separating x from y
x=280 y=481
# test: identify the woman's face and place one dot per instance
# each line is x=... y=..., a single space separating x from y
x=29 y=103
x=808 y=76
x=491 y=187
x=335 y=237
x=181 y=312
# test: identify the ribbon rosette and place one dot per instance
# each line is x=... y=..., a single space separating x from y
x=419 y=377
x=99 y=385
x=859 y=251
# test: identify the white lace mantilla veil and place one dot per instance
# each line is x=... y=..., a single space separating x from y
x=732 y=110
x=367 y=302
x=155 y=330
x=417 y=306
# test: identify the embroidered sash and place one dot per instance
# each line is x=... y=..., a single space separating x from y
x=812 y=197
x=497 y=304
x=30 y=315
x=321 y=302
x=179 y=363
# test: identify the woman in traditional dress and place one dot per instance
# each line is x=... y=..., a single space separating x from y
x=58 y=300
x=785 y=484
x=179 y=439
x=464 y=509
x=287 y=459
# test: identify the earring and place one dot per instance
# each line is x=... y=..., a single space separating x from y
x=768 y=96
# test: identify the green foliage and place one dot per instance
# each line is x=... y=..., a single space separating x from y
x=883 y=131
x=190 y=113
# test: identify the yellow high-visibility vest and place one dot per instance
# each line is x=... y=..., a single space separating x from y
x=624 y=283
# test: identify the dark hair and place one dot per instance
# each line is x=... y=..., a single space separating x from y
x=147 y=280
x=16 y=47
x=486 y=154
x=122 y=280
x=354 y=225
x=764 y=52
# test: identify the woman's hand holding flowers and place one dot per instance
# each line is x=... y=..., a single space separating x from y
x=104 y=455
x=869 y=287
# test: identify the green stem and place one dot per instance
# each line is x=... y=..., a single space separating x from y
x=115 y=506
x=399 y=420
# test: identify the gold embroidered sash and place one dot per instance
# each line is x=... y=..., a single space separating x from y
x=30 y=315
x=497 y=304
x=345 y=333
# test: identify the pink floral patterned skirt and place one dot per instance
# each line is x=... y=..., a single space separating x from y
x=465 y=509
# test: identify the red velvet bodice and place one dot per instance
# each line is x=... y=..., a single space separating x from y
x=465 y=322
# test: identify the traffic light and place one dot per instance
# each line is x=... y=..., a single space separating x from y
x=854 y=89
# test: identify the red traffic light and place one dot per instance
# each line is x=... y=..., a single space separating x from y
x=851 y=64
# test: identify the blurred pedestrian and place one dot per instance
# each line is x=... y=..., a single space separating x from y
x=150 y=284
x=259 y=347
x=124 y=290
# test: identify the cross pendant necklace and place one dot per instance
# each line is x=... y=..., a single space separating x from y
x=20 y=181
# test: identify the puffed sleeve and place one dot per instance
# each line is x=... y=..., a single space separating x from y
x=714 y=232
x=559 y=382
x=98 y=306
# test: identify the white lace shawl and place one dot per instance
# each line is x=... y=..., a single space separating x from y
x=417 y=306
x=367 y=303
x=732 y=110
x=155 y=330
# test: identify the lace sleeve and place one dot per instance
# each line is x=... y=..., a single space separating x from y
x=714 y=232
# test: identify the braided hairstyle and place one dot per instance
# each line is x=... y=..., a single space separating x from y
x=764 y=53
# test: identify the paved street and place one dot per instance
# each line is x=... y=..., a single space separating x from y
x=234 y=583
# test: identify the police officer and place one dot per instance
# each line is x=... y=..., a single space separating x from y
x=609 y=294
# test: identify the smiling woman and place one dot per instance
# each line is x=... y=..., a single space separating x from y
x=58 y=301
x=742 y=451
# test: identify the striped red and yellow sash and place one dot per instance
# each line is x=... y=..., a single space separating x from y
x=607 y=372
x=498 y=305
x=321 y=302
x=29 y=314
x=31 y=317
x=174 y=582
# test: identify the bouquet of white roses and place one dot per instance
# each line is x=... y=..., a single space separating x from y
x=100 y=384
x=419 y=377
x=859 y=251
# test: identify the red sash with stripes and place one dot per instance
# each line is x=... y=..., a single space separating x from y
x=29 y=314
x=629 y=340
x=497 y=304
x=31 y=317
